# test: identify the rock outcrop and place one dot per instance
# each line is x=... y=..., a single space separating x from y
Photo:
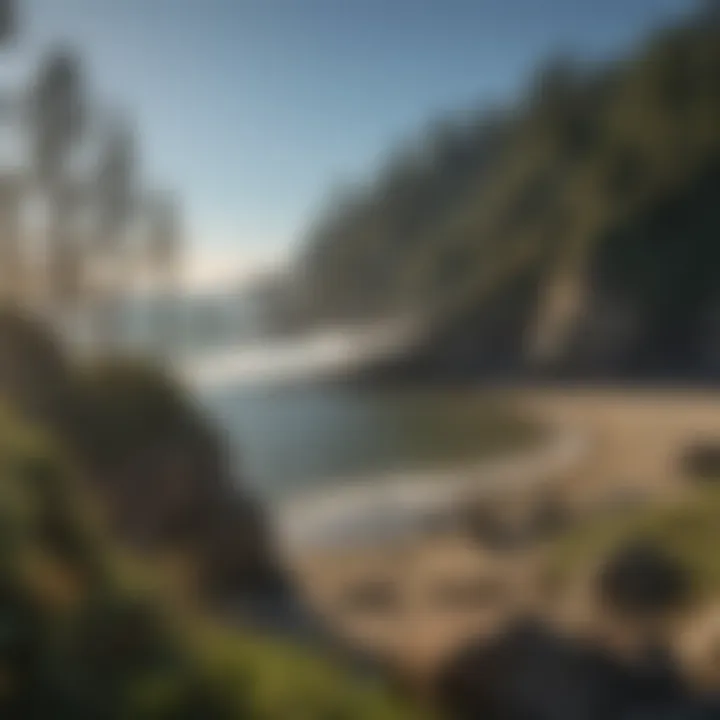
x=150 y=454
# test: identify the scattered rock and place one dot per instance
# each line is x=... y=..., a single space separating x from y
x=469 y=593
x=530 y=671
x=642 y=581
x=701 y=461
x=376 y=595
x=487 y=525
x=549 y=517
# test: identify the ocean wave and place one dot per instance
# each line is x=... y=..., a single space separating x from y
x=314 y=355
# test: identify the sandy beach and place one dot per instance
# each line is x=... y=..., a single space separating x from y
x=428 y=592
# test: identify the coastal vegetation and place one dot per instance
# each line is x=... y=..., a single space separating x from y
x=104 y=473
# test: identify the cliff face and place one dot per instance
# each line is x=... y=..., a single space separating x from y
x=575 y=233
x=647 y=299
x=644 y=302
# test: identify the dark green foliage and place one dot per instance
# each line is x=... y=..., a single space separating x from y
x=143 y=442
x=128 y=406
x=84 y=633
x=80 y=640
x=33 y=372
x=169 y=474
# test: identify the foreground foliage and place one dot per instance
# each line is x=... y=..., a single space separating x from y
x=82 y=638
x=95 y=461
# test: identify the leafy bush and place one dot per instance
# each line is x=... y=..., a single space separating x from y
x=77 y=640
x=126 y=407
x=161 y=467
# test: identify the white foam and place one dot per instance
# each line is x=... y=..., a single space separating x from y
x=318 y=354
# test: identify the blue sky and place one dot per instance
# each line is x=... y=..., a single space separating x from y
x=254 y=109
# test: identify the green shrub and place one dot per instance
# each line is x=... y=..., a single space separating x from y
x=124 y=407
x=78 y=641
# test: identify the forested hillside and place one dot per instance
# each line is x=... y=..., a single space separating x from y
x=578 y=228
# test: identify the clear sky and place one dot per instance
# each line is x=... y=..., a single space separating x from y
x=254 y=109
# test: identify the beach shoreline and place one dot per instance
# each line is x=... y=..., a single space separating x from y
x=369 y=511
